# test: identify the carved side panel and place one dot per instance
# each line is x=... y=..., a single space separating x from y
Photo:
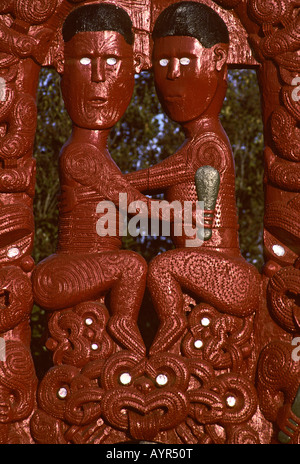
x=273 y=29
x=22 y=50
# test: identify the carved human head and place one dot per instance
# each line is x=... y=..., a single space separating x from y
x=189 y=60
x=99 y=65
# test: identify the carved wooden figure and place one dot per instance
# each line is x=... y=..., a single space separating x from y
x=222 y=368
x=215 y=271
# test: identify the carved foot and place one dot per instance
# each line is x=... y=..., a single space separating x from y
x=289 y=420
x=168 y=333
x=126 y=332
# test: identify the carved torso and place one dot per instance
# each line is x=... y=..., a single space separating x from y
x=207 y=149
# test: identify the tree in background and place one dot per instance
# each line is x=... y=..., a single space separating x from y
x=142 y=138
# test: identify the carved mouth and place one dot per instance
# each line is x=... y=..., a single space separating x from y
x=173 y=98
x=97 y=102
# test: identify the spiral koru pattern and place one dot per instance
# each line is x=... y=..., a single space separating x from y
x=243 y=435
x=282 y=291
x=66 y=394
x=278 y=378
x=267 y=11
x=81 y=163
x=17 y=382
x=285 y=135
x=79 y=335
x=222 y=340
x=34 y=12
x=15 y=297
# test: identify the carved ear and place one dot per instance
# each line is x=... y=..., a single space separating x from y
x=60 y=65
x=139 y=60
x=220 y=56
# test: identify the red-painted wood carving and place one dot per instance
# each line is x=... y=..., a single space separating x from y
x=222 y=367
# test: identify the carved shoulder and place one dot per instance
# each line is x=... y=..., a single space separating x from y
x=82 y=163
x=210 y=149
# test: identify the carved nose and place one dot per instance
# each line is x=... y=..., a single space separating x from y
x=173 y=69
x=144 y=385
x=98 y=71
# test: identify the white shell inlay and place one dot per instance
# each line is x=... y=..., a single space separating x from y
x=62 y=393
x=198 y=344
x=205 y=321
x=125 y=378
x=230 y=401
x=161 y=380
x=13 y=252
x=278 y=250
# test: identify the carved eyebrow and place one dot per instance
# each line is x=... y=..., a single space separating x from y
x=85 y=43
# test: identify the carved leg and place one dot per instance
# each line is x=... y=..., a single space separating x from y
x=230 y=284
x=65 y=280
x=125 y=300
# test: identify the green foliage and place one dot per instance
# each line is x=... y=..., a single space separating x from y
x=142 y=138
x=53 y=129
x=241 y=119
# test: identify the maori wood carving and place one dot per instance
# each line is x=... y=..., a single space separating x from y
x=222 y=367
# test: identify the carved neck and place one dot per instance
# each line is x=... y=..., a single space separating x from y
x=209 y=120
x=98 y=138
x=205 y=123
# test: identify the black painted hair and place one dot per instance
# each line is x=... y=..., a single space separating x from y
x=98 y=17
x=192 y=19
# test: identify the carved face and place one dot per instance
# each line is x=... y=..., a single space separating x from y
x=98 y=78
x=186 y=75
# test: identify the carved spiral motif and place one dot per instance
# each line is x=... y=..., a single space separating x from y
x=78 y=335
x=283 y=306
x=68 y=395
x=243 y=435
x=17 y=381
x=231 y=399
x=81 y=163
x=19 y=179
x=282 y=173
x=20 y=136
x=277 y=378
x=219 y=339
x=23 y=46
x=290 y=103
x=212 y=149
x=58 y=277
x=267 y=11
x=244 y=394
x=16 y=302
x=25 y=113
x=284 y=134
x=35 y=12
x=274 y=365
